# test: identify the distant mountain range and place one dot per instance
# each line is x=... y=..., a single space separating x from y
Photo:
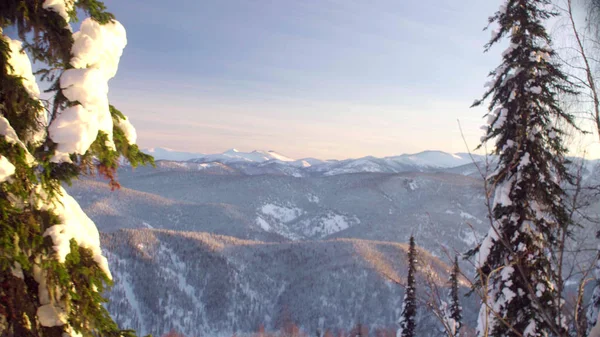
x=218 y=244
x=271 y=162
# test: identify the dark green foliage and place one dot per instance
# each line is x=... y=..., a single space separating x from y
x=455 y=308
x=409 y=305
x=78 y=282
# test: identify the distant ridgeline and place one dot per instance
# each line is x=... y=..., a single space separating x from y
x=252 y=276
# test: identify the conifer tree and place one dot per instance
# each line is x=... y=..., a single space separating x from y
x=409 y=304
x=52 y=271
x=455 y=310
x=516 y=277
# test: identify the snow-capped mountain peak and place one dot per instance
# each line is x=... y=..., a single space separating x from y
x=433 y=159
x=163 y=153
x=258 y=161
x=278 y=156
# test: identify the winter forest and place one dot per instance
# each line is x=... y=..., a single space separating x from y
x=101 y=237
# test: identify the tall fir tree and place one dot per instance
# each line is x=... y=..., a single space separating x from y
x=409 y=304
x=52 y=271
x=455 y=310
x=516 y=275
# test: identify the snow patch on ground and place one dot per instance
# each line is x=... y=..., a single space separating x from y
x=147 y=225
x=313 y=198
x=328 y=224
x=281 y=213
x=333 y=223
x=466 y=215
x=130 y=296
x=263 y=224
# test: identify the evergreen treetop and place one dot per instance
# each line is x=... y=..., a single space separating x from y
x=409 y=304
x=455 y=310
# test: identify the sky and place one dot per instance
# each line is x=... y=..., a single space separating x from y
x=330 y=79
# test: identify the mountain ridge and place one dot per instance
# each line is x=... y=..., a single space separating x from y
x=233 y=286
x=270 y=162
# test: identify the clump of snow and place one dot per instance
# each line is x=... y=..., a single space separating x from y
x=19 y=65
x=99 y=46
x=525 y=160
x=6 y=169
x=8 y=132
x=508 y=294
x=71 y=333
x=49 y=315
x=499 y=122
x=486 y=246
x=17 y=271
x=531 y=329
x=509 y=49
x=39 y=275
x=62 y=7
x=502 y=193
x=128 y=130
x=74 y=224
x=507 y=272
x=11 y=137
x=540 y=289
x=281 y=213
x=96 y=52
x=74 y=132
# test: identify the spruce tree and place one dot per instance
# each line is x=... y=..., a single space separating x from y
x=52 y=271
x=514 y=264
x=409 y=304
x=455 y=310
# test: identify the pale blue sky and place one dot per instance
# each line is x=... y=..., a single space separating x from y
x=320 y=78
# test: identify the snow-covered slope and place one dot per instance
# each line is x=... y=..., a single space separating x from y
x=233 y=155
x=275 y=207
x=208 y=285
x=438 y=159
x=303 y=243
